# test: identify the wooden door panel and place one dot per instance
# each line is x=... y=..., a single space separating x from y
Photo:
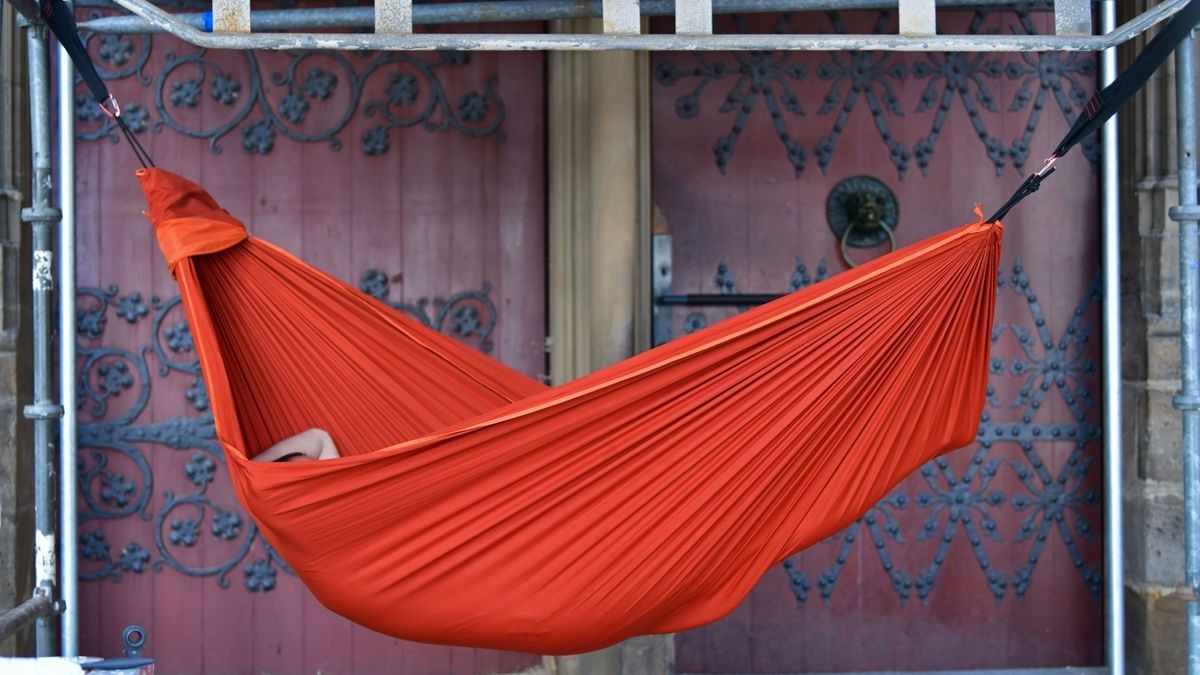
x=990 y=557
x=417 y=178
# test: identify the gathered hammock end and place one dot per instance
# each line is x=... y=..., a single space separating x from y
x=475 y=506
x=187 y=221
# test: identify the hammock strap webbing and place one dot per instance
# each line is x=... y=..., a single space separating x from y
x=1109 y=100
x=61 y=21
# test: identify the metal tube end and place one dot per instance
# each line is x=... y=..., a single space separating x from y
x=1186 y=402
x=41 y=214
x=1186 y=593
x=43 y=411
x=1189 y=212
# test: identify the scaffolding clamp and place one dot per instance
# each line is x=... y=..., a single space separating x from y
x=43 y=411
x=1181 y=213
x=1186 y=593
x=41 y=214
x=1186 y=402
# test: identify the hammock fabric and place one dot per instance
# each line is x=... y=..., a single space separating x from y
x=475 y=506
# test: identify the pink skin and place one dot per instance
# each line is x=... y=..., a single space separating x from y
x=306 y=446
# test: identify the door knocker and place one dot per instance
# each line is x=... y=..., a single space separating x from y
x=862 y=212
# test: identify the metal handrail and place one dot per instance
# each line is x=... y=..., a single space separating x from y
x=164 y=21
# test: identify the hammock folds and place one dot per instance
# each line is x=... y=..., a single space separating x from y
x=475 y=506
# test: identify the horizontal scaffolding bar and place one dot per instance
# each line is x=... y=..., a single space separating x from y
x=23 y=614
x=164 y=21
x=494 y=11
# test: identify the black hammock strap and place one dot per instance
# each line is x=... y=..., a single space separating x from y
x=1106 y=102
x=61 y=21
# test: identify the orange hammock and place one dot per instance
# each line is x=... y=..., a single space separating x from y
x=474 y=506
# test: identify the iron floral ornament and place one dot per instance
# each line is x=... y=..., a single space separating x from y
x=962 y=506
x=767 y=76
x=312 y=98
x=1057 y=503
x=117 y=482
x=771 y=82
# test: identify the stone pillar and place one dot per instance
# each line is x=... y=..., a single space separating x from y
x=599 y=251
x=1154 y=553
x=599 y=214
x=16 y=452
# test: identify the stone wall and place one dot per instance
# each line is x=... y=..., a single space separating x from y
x=1154 y=515
x=16 y=486
x=598 y=119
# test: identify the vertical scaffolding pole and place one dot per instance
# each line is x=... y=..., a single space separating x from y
x=68 y=537
x=1187 y=214
x=41 y=216
x=1114 y=541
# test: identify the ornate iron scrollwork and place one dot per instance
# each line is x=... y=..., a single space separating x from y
x=964 y=504
x=870 y=77
x=467 y=314
x=413 y=94
x=760 y=75
x=116 y=480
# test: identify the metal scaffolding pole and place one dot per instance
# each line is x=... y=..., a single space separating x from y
x=1114 y=542
x=489 y=11
x=68 y=525
x=155 y=18
x=1187 y=214
x=41 y=216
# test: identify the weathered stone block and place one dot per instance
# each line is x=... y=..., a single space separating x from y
x=1133 y=429
x=646 y=655
x=1133 y=338
x=1160 y=455
x=1162 y=356
x=16 y=515
x=1159 y=257
x=1154 y=537
x=1156 y=633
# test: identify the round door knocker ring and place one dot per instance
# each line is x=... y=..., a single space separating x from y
x=891 y=239
x=862 y=212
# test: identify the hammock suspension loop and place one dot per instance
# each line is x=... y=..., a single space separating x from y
x=1047 y=167
x=116 y=107
x=60 y=19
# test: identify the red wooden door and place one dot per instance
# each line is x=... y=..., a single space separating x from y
x=990 y=557
x=417 y=177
